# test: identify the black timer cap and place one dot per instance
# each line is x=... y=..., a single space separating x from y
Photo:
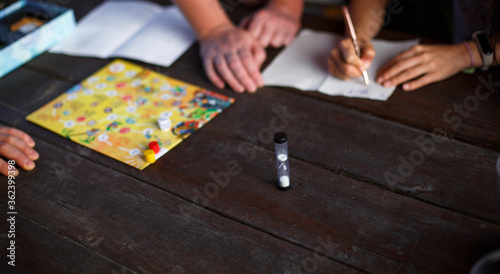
x=280 y=137
x=284 y=188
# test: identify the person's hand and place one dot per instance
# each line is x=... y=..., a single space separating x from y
x=425 y=64
x=18 y=146
x=231 y=55
x=272 y=26
x=345 y=64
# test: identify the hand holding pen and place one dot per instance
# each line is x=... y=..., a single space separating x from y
x=345 y=62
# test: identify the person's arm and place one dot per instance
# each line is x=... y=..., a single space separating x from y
x=425 y=64
x=230 y=55
x=275 y=24
x=18 y=146
x=205 y=16
x=367 y=17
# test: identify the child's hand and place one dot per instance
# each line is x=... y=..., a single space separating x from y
x=18 y=146
x=272 y=26
x=231 y=55
x=345 y=64
x=425 y=64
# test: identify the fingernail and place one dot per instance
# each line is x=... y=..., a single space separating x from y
x=34 y=155
x=387 y=84
x=406 y=86
x=31 y=143
x=16 y=172
x=29 y=164
x=380 y=80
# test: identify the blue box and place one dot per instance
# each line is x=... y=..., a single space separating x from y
x=22 y=37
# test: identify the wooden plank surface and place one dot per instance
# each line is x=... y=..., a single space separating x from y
x=465 y=106
x=142 y=227
x=42 y=250
x=468 y=112
x=412 y=168
x=361 y=201
x=214 y=152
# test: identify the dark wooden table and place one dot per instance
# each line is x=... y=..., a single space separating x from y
x=403 y=186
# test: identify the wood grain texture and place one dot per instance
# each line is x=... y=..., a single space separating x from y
x=27 y=91
x=41 y=250
x=428 y=108
x=321 y=198
x=464 y=106
x=425 y=166
x=144 y=228
x=373 y=190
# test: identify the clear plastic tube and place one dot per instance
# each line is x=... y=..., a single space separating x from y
x=280 y=144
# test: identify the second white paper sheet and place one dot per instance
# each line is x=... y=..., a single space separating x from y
x=303 y=65
x=137 y=30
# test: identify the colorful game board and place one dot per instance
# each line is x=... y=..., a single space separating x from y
x=115 y=111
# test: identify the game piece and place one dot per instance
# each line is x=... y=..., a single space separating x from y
x=150 y=156
x=115 y=111
x=280 y=144
x=164 y=123
x=154 y=146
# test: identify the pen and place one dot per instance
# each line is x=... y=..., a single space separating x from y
x=350 y=26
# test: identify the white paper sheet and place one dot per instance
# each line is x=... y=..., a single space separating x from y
x=164 y=39
x=303 y=65
x=131 y=29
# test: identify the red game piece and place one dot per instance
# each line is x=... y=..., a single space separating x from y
x=154 y=146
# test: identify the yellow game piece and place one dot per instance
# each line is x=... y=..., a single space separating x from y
x=150 y=156
x=122 y=126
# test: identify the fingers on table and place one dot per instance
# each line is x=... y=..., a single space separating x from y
x=405 y=74
x=252 y=65
x=6 y=169
x=19 y=134
x=404 y=67
x=209 y=65
x=16 y=145
x=226 y=73
x=11 y=140
x=23 y=156
x=421 y=81
x=240 y=70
